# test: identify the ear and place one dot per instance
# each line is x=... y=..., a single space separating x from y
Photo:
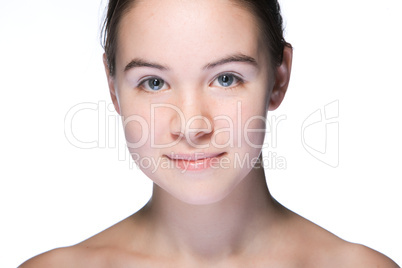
x=110 y=81
x=282 y=79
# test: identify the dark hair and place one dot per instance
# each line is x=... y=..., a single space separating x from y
x=267 y=12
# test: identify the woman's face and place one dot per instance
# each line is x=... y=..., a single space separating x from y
x=192 y=85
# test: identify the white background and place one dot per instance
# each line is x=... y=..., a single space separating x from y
x=53 y=194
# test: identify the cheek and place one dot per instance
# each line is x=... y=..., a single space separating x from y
x=148 y=126
x=136 y=124
x=136 y=130
x=243 y=129
x=241 y=124
x=253 y=127
x=254 y=131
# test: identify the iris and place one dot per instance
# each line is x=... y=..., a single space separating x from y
x=156 y=84
x=225 y=80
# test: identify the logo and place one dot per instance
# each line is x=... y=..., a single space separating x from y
x=320 y=134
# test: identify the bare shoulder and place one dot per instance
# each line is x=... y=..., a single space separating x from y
x=60 y=257
x=79 y=256
x=321 y=248
x=356 y=255
x=113 y=247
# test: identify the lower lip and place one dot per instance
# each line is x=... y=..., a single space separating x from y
x=197 y=165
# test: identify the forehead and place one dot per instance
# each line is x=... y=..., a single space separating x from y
x=189 y=31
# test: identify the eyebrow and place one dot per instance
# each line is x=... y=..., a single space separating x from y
x=142 y=63
x=232 y=58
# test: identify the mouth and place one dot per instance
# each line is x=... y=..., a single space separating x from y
x=195 y=161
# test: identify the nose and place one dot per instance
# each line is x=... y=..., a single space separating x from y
x=192 y=121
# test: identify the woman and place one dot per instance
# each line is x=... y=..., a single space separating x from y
x=193 y=81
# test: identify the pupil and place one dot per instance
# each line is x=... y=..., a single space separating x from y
x=156 y=84
x=225 y=80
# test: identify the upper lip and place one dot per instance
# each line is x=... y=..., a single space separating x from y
x=192 y=156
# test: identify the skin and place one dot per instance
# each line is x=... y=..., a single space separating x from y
x=220 y=217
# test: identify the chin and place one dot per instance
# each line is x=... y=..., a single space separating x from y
x=201 y=200
x=203 y=187
x=203 y=193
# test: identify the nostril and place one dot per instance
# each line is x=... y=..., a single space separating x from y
x=198 y=126
x=177 y=124
x=191 y=120
x=178 y=135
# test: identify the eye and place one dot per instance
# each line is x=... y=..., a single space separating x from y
x=226 y=80
x=153 y=84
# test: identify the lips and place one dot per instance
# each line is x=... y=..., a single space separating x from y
x=195 y=161
x=193 y=156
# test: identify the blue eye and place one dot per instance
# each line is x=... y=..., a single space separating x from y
x=156 y=84
x=153 y=84
x=226 y=80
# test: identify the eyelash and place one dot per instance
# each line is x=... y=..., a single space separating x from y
x=146 y=80
x=238 y=79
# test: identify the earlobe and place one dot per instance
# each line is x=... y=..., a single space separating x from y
x=110 y=81
x=281 y=80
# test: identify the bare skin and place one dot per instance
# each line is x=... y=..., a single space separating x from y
x=272 y=236
x=207 y=217
x=276 y=237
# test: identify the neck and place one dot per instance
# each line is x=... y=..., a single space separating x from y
x=215 y=230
